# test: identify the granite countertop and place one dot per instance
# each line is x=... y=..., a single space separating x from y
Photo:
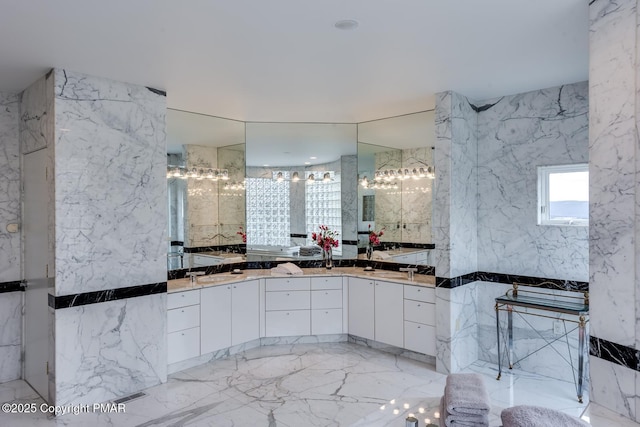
x=226 y=278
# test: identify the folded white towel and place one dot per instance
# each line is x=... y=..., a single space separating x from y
x=380 y=255
x=463 y=420
x=465 y=394
x=288 y=269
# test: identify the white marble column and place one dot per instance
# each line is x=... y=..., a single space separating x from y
x=614 y=167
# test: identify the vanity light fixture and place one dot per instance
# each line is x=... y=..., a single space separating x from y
x=279 y=177
x=197 y=173
x=311 y=179
x=326 y=177
x=295 y=177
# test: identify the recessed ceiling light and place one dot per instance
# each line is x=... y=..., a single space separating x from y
x=265 y=166
x=307 y=163
x=346 y=24
x=313 y=157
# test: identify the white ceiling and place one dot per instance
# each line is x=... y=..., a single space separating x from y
x=283 y=60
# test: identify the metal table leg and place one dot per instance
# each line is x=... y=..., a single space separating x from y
x=510 y=327
x=581 y=336
x=498 y=333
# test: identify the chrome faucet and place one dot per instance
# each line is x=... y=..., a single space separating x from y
x=410 y=271
x=193 y=275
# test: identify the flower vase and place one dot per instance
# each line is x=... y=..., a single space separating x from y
x=369 y=251
x=327 y=256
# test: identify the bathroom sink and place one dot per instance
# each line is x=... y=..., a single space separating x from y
x=390 y=274
x=213 y=278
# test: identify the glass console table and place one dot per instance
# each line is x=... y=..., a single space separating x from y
x=539 y=303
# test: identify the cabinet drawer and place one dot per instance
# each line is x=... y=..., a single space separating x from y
x=292 y=300
x=183 y=345
x=321 y=283
x=183 y=299
x=330 y=298
x=420 y=338
x=420 y=312
x=183 y=318
x=420 y=293
x=328 y=321
x=288 y=284
x=288 y=323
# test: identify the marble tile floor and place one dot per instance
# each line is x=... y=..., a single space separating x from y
x=328 y=384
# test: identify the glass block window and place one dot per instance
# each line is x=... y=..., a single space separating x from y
x=323 y=204
x=268 y=212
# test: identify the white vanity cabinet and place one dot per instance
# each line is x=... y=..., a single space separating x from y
x=420 y=319
x=326 y=305
x=215 y=318
x=183 y=325
x=361 y=307
x=229 y=315
x=288 y=306
x=245 y=312
x=389 y=306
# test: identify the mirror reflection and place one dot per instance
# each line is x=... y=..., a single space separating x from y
x=205 y=188
x=395 y=173
x=300 y=176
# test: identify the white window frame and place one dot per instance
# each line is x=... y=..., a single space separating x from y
x=543 y=194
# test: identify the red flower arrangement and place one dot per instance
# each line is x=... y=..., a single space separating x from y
x=243 y=234
x=374 y=238
x=326 y=238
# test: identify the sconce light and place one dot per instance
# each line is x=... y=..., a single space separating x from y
x=279 y=177
x=364 y=182
x=311 y=179
x=295 y=177
x=326 y=177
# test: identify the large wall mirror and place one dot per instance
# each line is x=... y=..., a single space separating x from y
x=395 y=175
x=300 y=176
x=206 y=189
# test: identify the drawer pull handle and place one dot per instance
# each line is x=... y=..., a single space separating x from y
x=182 y=311
x=419 y=327
x=419 y=305
x=287 y=314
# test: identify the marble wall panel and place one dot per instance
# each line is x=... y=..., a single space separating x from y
x=442 y=191
x=613 y=386
x=349 y=194
x=36 y=115
x=456 y=328
x=201 y=209
x=110 y=349
x=10 y=257
x=110 y=184
x=613 y=142
x=464 y=188
x=516 y=135
x=231 y=202
x=10 y=336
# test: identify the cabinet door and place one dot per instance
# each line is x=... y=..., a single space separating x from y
x=361 y=306
x=215 y=318
x=288 y=323
x=183 y=345
x=245 y=312
x=389 y=318
x=326 y=321
x=420 y=338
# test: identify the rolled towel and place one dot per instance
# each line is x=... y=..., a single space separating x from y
x=465 y=394
x=537 y=416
